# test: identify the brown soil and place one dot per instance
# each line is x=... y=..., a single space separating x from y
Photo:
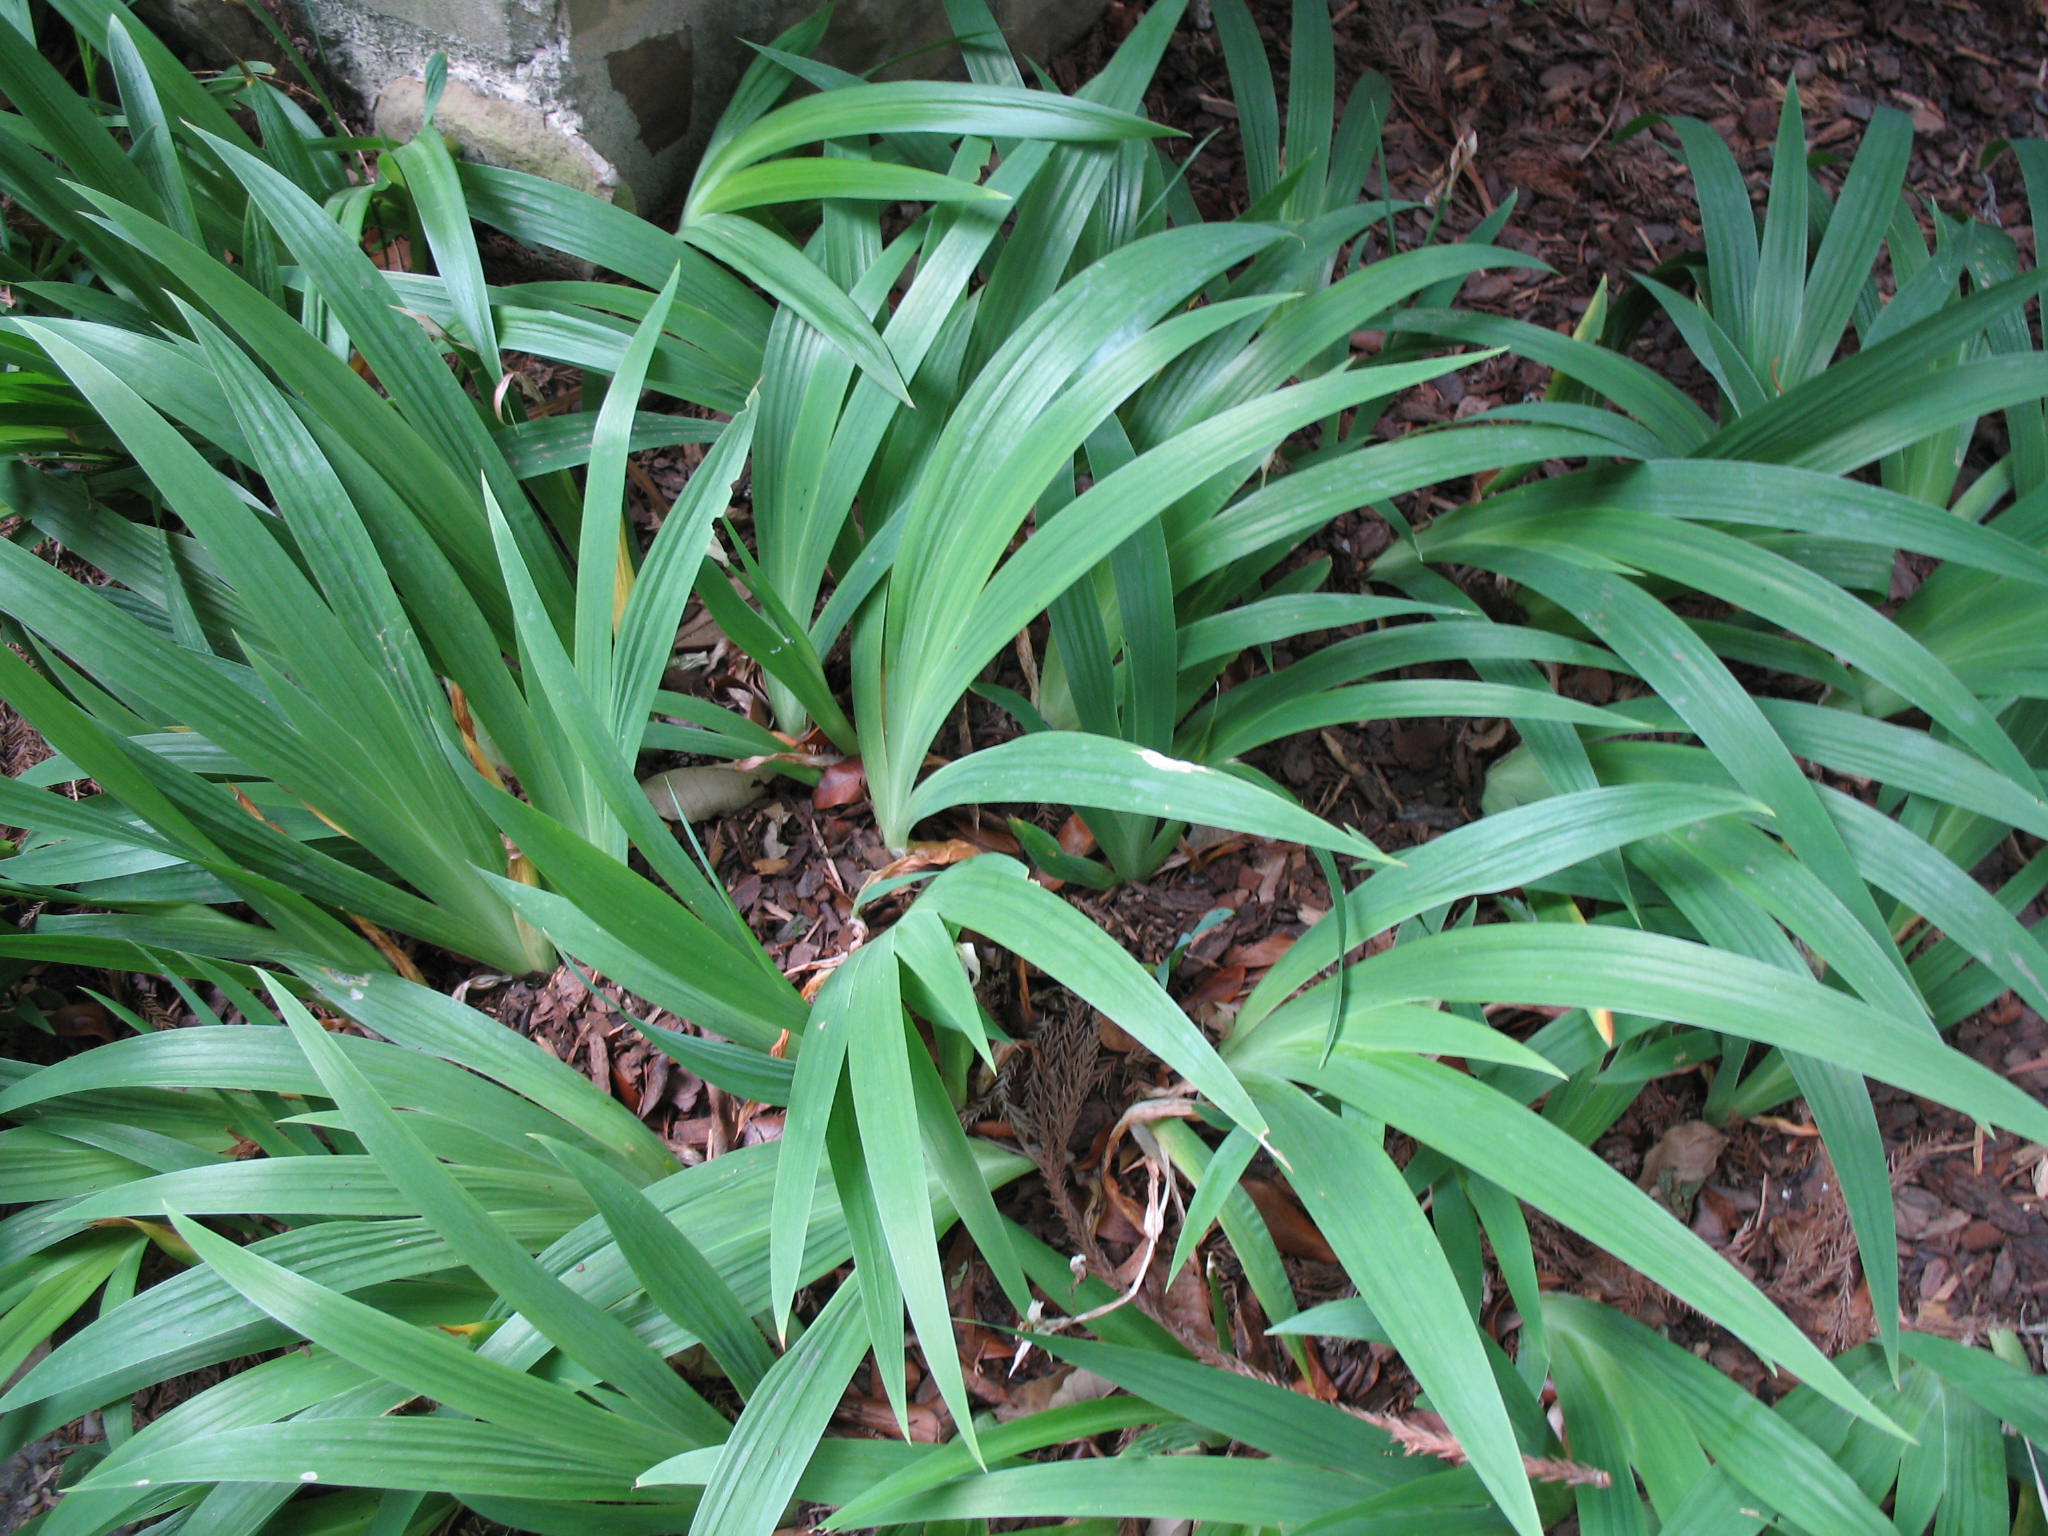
x=1535 y=94
x=1491 y=98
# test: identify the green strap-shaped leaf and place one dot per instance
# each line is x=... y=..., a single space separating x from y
x=1527 y=1155
x=893 y=1163
x=638 y=941
x=1286 y=508
x=593 y=1337
x=1268 y=1418
x=1230 y=1491
x=1214 y=1186
x=991 y=895
x=428 y=1361
x=1747 y=1441
x=265 y=1060
x=758 y=1468
x=431 y=1022
x=1631 y=971
x=647 y=628
x=433 y=1455
x=428 y=173
x=1283 y=617
x=1363 y=1206
x=677 y=1276
x=193 y=1319
x=819 y=1067
x=1856 y=228
x=149 y=129
x=409 y=366
x=1074 y=768
x=1728 y=222
x=796 y=181
x=603 y=564
x=1033 y=1432
x=898 y=107
x=2013 y=1394
x=1661 y=406
x=795 y=280
x=1780 y=297
x=1864 y=405
x=1496 y=853
x=1286 y=716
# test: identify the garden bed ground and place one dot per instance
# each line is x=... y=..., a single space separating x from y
x=1500 y=99
x=1489 y=98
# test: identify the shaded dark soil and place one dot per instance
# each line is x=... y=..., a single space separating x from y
x=1491 y=99
x=1494 y=100
x=1534 y=101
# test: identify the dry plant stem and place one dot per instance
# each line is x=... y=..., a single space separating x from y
x=1418 y=1439
x=1155 y=1223
x=1417 y=1436
x=1170 y=1103
x=1144 y=1112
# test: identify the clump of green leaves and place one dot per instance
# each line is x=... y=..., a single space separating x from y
x=1093 y=361
x=444 y=1213
x=1760 y=513
x=359 y=636
x=296 y=693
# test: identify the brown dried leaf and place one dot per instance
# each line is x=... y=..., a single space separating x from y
x=1293 y=1233
x=1185 y=1308
x=1074 y=836
x=928 y=856
x=841 y=784
x=82 y=1020
x=927 y=1425
x=1260 y=953
x=1220 y=986
x=1687 y=1152
x=989 y=838
x=1061 y=1389
x=1112 y=1035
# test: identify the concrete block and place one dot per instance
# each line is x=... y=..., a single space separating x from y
x=497 y=131
x=216 y=32
x=617 y=96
